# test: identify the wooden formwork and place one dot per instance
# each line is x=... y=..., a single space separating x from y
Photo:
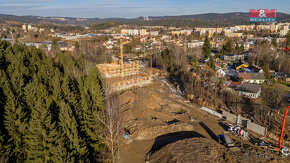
x=114 y=70
x=119 y=84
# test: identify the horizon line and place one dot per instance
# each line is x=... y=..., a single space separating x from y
x=128 y=17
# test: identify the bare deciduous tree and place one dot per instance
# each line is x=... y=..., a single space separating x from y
x=111 y=120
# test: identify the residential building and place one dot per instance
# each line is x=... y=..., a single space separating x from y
x=177 y=33
x=143 y=32
x=124 y=31
x=29 y=27
x=195 y=43
x=256 y=78
x=232 y=57
x=281 y=76
x=221 y=73
x=153 y=33
x=233 y=34
x=24 y=27
x=249 y=90
x=135 y=32
x=210 y=31
x=241 y=65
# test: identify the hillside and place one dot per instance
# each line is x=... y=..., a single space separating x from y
x=208 y=19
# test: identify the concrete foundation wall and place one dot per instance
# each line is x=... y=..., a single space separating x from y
x=243 y=121
x=230 y=117
x=256 y=128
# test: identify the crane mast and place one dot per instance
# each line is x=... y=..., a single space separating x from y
x=121 y=51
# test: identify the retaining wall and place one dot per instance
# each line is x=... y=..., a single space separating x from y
x=245 y=122
x=257 y=128
x=230 y=117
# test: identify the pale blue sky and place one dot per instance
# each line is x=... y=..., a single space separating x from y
x=134 y=8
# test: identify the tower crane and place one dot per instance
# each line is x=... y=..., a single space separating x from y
x=121 y=51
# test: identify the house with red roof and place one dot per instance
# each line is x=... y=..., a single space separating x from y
x=256 y=78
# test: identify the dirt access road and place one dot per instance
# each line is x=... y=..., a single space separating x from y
x=167 y=129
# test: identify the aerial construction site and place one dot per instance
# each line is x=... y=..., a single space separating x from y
x=160 y=125
x=122 y=76
x=164 y=127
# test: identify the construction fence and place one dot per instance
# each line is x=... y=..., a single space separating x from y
x=240 y=120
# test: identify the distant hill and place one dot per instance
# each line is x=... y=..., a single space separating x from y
x=209 y=19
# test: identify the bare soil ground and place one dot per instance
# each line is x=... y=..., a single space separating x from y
x=167 y=129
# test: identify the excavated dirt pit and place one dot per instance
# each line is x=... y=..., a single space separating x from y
x=167 y=129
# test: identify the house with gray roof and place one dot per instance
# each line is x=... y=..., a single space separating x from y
x=249 y=90
x=233 y=57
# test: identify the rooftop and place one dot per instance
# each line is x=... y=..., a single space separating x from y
x=248 y=87
x=255 y=76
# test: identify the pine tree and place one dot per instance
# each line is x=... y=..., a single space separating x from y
x=54 y=45
x=1 y=145
x=2 y=104
x=288 y=39
x=46 y=115
x=76 y=146
x=266 y=71
x=15 y=121
x=80 y=60
x=211 y=63
x=91 y=101
x=274 y=41
x=206 y=48
x=77 y=46
x=237 y=49
x=42 y=136
x=242 y=48
x=56 y=86
x=228 y=47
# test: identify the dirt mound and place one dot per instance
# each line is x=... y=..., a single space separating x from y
x=190 y=150
x=152 y=132
x=202 y=149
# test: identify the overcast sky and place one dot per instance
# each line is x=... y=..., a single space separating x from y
x=134 y=8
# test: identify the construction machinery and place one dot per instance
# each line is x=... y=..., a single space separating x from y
x=280 y=149
x=225 y=139
x=284 y=150
x=269 y=147
x=287 y=49
x=237 y=130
